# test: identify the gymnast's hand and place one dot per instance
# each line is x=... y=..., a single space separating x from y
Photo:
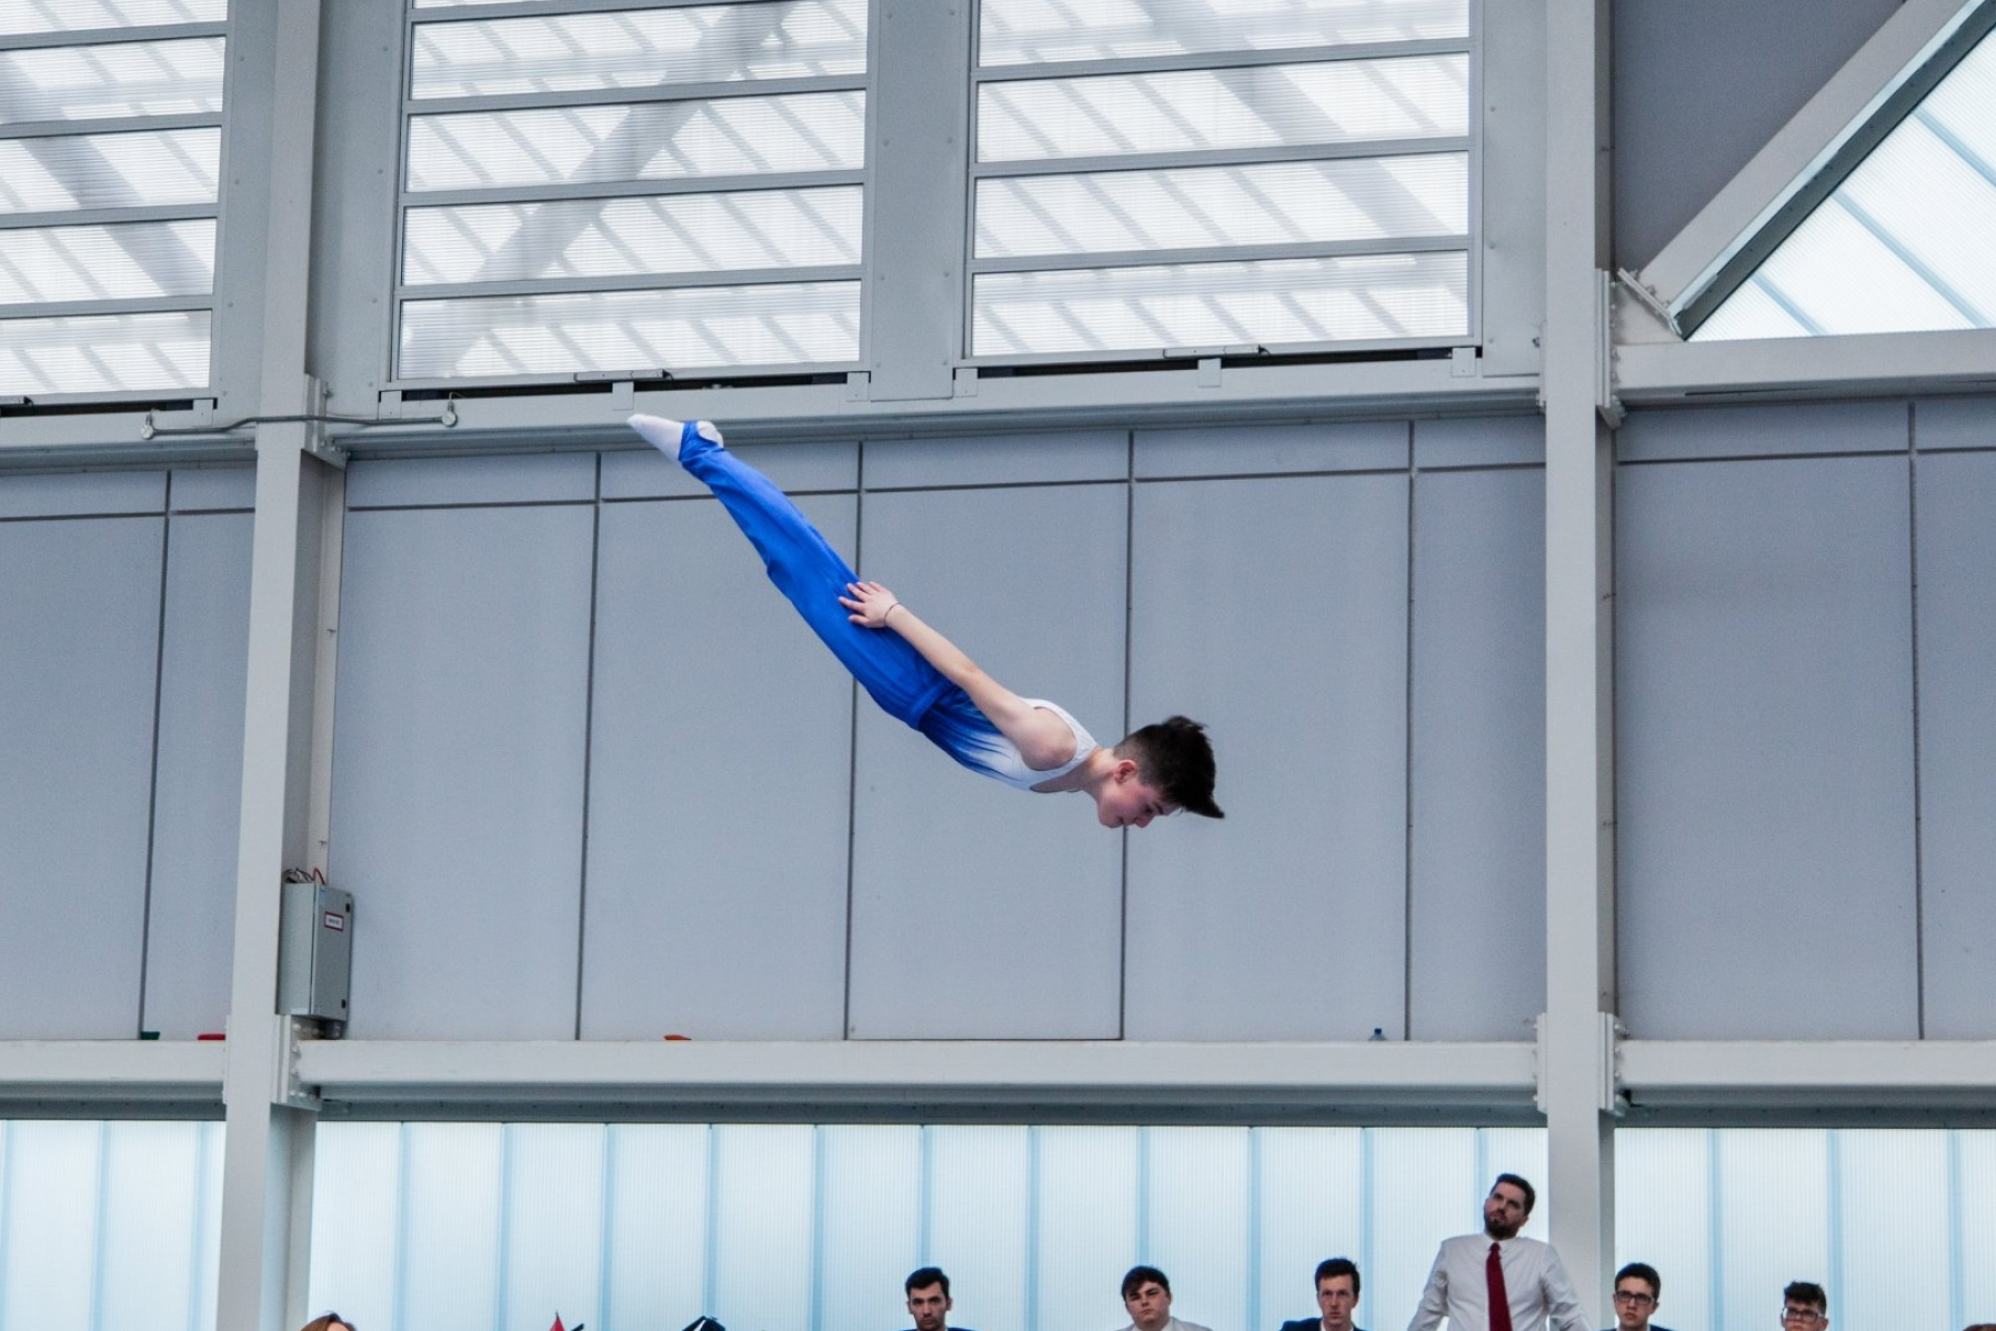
x=870 y=604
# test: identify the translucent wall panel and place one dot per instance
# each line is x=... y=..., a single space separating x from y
x=1273 y=203
x=1902 y=244
x=515 y=141
x=449 y=1226
x=637 y=48
x=1893 y=1224
x=33 y=16
x=105 y=1226
x=135 y=260
x=1030 y=32
x=719 y=327
x=672 y=233
x=1346 y=101
x=100 y=353
x=109 y=170
x=174 y=78
x=577 y=145
x=1188 y=305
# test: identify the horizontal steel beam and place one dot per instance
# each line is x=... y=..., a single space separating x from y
x=1809 y=1074
x=981 y=1074
x=47 y=1071
x=1860 y=365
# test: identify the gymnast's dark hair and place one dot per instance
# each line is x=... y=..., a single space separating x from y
x=1175 y=756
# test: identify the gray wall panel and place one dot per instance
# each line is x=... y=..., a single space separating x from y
x=1765 y=750
x=1761 y=431
x=719 y=793
x=1275 y=611
x=981 y=911
x=82 y=492
x=1004 y=459
x=1700 y=86
x=1957 y=495
x=79 y=635
x=645 y=474
x=197 y=803
x=1477 y=949
x=482 y=480
x=1479 y=441
x=1249 y=450
x=457 y=768
x=201 y=488
x=1955 y=422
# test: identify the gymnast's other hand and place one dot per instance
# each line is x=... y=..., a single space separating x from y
x=870 y=604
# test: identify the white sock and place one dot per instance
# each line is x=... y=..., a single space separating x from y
x=664 y=434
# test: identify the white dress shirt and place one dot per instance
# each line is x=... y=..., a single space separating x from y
x=1535 y=1282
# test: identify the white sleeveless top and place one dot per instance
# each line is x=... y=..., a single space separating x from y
x=1003 y=761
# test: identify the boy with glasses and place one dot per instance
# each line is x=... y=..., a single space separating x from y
x=1637 y=1291
x=1804 y=1307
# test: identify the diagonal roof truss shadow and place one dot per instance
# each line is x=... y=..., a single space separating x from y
x=1869 y=212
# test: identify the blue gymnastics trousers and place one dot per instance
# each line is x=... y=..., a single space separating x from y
x=812 y=577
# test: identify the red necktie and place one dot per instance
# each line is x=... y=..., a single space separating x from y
x=1500 y=1301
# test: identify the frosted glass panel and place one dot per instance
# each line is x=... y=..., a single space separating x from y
x=1893 y=1223
x=26 y=16
x=1902 y=244
x=814 y=1228
x=618 y=237
x=1089 y=1226
x=124 y=262
x=105 y=1226
x=1346 y=101
x=640 y=48
x=763 y=1235
x=109 y=170
x=862 y=1246
x=804 y=323
x=599 y=144
x=1023 y=32
x=118 y=79
x=104 y=353
x=1273 y=204
x=454 y=1177
x=1190 y=305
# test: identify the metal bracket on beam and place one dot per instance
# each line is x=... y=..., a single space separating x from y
x=966 y=381
x=1605 y=402
x=1614 y=1100
x=291 y=1090
x=1209 y=372
x=859 y=386
x=198 y=417
x=1462 y=363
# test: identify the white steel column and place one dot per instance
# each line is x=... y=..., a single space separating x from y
x=266 y=1171
x=1576 y=1054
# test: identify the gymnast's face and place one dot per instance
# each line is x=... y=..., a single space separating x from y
x=1130 y=801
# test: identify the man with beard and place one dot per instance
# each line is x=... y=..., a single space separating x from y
x=1496 y=1281
x=928 y=1299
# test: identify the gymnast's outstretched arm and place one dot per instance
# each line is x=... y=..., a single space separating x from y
x=1044 y=740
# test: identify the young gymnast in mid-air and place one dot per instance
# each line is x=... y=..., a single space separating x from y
x=923 y=679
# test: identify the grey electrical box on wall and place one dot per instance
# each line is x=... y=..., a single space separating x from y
x=315 y=956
